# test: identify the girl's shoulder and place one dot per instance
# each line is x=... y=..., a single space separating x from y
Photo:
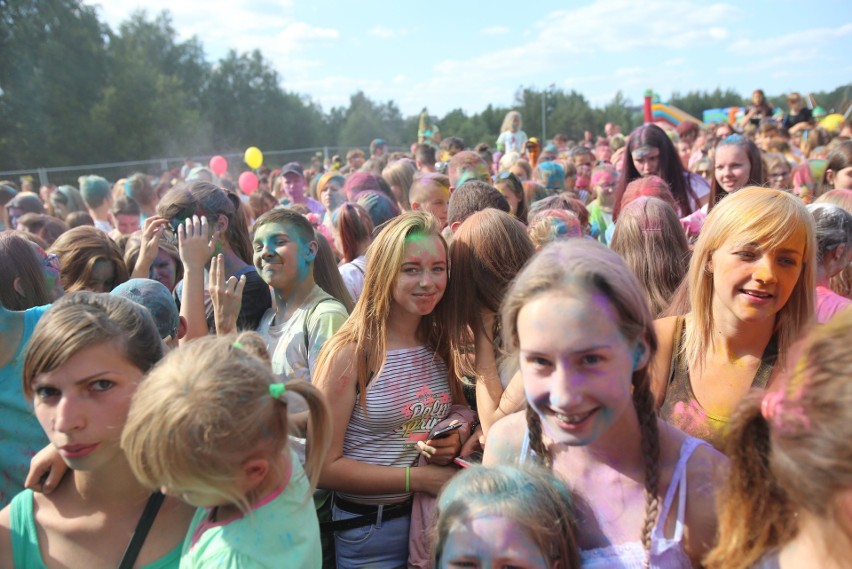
x=664 y=329
x=505 y=440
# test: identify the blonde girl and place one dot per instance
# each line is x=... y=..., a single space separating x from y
x=210 y=425
x=385 y=374
x=578 y=324
x=785 y=502
x=85 y=361
x=505 y=516
x=399 y=175
x=512 y=138
x=751 y=292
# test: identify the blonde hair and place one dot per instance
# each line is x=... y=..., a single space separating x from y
x=366 y=326
x=533 y=498
x=551 y=224
x=205 y=409
x=790 y=450
x=401 y=174
x=752 y=215
x=509 y=119
x=79 y=249
x=649 y=238
x=82 y=319
x=584 y=266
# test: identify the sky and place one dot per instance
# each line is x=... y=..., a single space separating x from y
x=448 y=55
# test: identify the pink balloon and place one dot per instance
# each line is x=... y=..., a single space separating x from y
x=248 y=182
x=219 y=165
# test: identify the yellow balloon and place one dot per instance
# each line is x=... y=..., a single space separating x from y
x=832 y=122
x=253 y=157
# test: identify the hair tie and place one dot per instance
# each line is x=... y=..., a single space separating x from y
x=276 y=390
x=647 y=229
x=770 y=403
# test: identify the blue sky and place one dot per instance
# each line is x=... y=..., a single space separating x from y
x=447 y=55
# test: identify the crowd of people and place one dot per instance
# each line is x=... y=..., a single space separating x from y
x=625 y=351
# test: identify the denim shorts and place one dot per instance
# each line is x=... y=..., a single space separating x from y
x=383 y=545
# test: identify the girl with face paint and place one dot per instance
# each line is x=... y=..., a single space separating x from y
x=577 y=322
x=385 y=374
x=751 y=284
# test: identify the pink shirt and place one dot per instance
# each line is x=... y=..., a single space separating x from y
x=828 y=303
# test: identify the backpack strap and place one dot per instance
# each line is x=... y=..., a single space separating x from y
x=310 y=313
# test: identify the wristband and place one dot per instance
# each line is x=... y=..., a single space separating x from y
x=408 y=479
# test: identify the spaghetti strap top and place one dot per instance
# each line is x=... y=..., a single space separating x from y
x=681 y=408
x=666 y=552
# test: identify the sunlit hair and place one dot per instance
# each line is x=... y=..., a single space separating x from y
x=551 y=224
x=401 y=174
x=580 y=268
x=524 y=165
x=837 y=160
x=206 y=199
x=649 y=187
x=795 y=456
x=533 y=499
x=354 y=227
x=20 y=262
x=487 y=251
x=509 y=119
x=83 y=319
x=79 y=249
x=650 y=239
x=205 y=410
x=756 y=175
x=366 y=327
x=138 y=188
x=767 y=218
x=671 y=170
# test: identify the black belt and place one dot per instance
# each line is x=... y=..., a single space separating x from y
x=368 y=514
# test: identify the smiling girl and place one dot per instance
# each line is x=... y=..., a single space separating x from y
x=751 y=289
x=579 y=325
x=736 y=164
x=386 y=379
x=87 y=357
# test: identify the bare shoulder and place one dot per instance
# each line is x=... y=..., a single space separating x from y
x=6 y=559
x=664 y=328
x=505 y=438
x=340 y=365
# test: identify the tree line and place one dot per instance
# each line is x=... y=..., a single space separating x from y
x=74 y=91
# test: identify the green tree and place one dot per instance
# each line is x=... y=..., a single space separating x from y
x=52 y=72
x=696 y=102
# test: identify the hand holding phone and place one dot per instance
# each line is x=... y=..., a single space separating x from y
x=445 y=432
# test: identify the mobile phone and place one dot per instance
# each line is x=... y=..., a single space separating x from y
x=445 y=432
x=472 y=459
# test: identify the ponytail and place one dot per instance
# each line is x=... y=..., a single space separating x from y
x=319 y=428
x=755 y=512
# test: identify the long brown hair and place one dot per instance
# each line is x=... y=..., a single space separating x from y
x=790 y=450
x=20 y=261
x=584 y=264
x=365 y=328
x=79 y=249
x=487 y=251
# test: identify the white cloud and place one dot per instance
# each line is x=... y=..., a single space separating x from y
x=383 y=32
x=495 y=31
x=792 y=42
x=675 y=62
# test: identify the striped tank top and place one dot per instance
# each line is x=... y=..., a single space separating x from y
x=404 y=402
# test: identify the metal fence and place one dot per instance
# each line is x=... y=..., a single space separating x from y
x=116 y=170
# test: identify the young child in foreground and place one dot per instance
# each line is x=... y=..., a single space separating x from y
x=505 y=517
x=210 y=425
